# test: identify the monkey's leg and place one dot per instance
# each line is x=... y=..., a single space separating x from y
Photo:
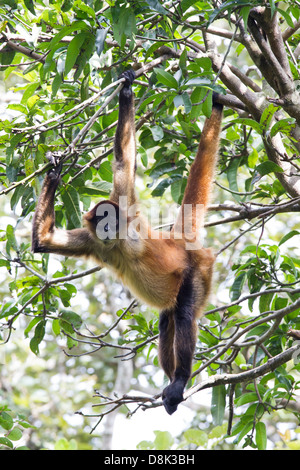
x=166 y=343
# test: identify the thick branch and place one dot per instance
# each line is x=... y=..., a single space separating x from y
x=276 y=152
x=249 y=375
x=23 y=50
x=279 y=79
x=233 y=83
x=213 y=381
x=270 y=27
x=271 y=59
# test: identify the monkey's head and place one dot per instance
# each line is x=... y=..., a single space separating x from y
x=106 y=220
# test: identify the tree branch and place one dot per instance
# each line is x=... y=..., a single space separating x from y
x=215 y=380
x=247 y=376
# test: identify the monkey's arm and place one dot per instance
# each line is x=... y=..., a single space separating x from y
x=124 y=146
x=46 y=238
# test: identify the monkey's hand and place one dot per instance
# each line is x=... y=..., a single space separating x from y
x=129 y=76
x=54 y=173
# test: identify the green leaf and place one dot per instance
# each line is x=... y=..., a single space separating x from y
x=207 y=106
x=105 y=171
x=261 y=436
x=186 y=102
x=196 y=98
x=196 y=437
x=157 y=133
x=294 y=445
x=9 y=308
x=287 y=17
x=268 y=167
x=85 y=55
x=64 y=444
x=6 y=421
x=38 y=336
x=166 y=78
x=6 y=442
x=100 y=39
x=67 y=5
x=30 y=5
x=72 y=210
x=57 y=81
x=84 y=7
x=74 y=50
x=246 y=398
x=218 y=431
x=267 y=116
x=84 y=88
x=245 y=14
x=124 y=24
x=56 y=327
x=18 y=107
x=237 y=286
x=264 y=302
x=156 y=5
x=29 y=91
x=71 y=317
x=67 y=31
x=232 y=174
x=289 y=235
x=31 y=325
x=15 y=434
x=284 y=125
x=143 y=155
x=99 y=188
x=249 y=122
x=177 y=190
x=197 y=82
x=218 y=404
x=163 y=440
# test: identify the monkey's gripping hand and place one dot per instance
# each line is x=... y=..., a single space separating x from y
x=55 y=171
x=129 y=76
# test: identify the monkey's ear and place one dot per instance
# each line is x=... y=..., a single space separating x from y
x=104 y=220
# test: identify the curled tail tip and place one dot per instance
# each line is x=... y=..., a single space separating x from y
x=216 y=103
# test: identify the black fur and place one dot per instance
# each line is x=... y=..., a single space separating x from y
x=216 y=103
x=126 y=91
x=184 y=342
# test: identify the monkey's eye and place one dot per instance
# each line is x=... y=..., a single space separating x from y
x=107 y=226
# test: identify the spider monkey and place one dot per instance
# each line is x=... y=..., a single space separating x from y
x=158 y=269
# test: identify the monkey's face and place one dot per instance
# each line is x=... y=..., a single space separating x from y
x=106 y=221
